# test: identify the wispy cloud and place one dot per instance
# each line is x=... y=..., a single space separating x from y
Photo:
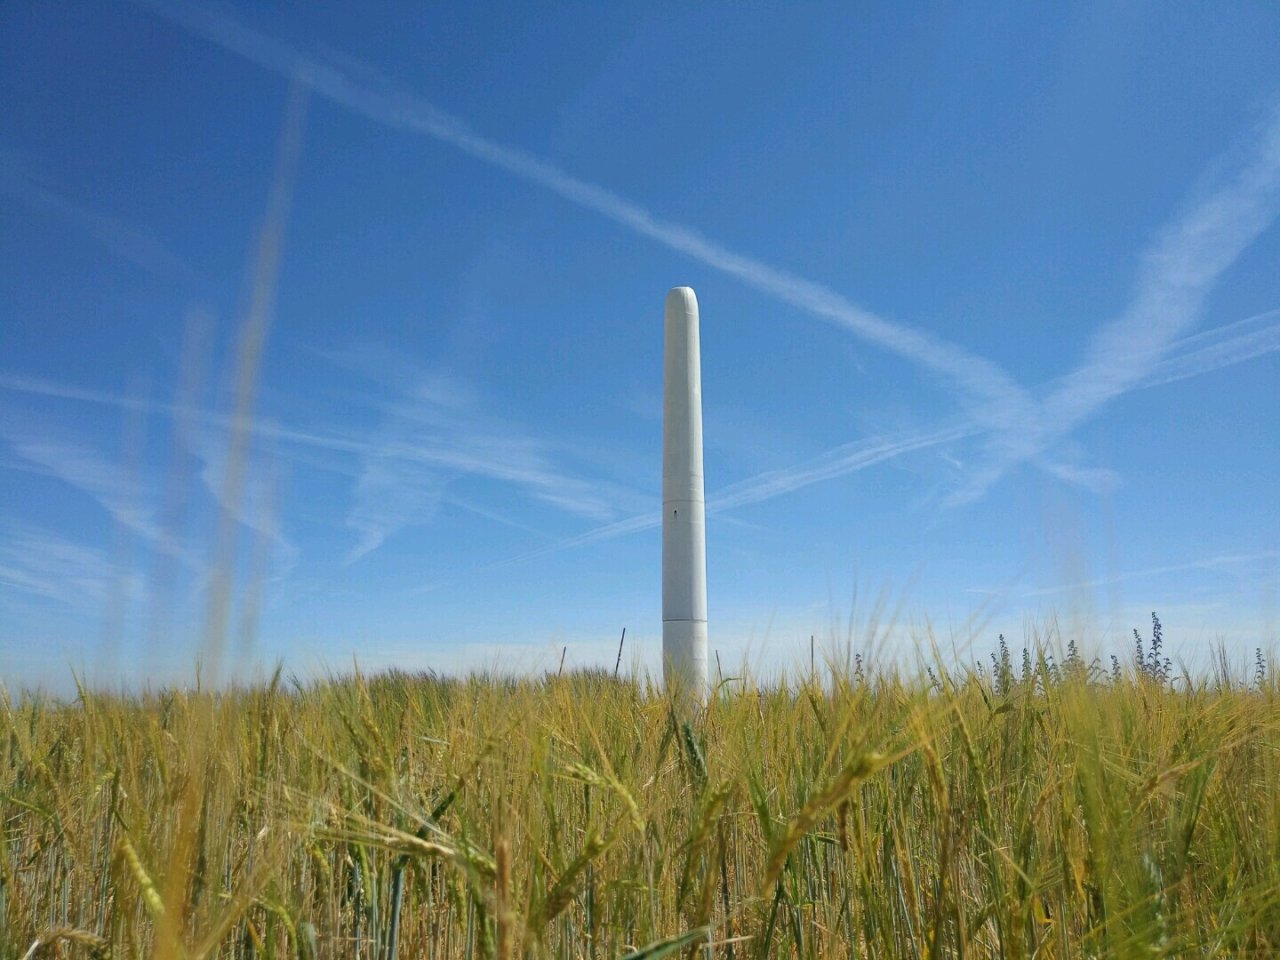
x=254 y=510
x=1093 y=479
x=41 y=387
x=127 y=501
x=1240 y=199
x=992 y=395
x=390 y=495
x=136 y=245
x=426 y=435
x=43 y=564
x=83 y=468
x=131 y=498
x=432 y=433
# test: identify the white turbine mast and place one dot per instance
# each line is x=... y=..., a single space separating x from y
x=684 y=526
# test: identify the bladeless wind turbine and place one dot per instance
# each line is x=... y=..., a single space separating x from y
x=684 y=527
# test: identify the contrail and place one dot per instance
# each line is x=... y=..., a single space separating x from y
x=1251 y=339
x=838 y=462
x=1192 y=356
x=1209 y=563
x=1211 y=352
x=996 y=400
x=1188 y=257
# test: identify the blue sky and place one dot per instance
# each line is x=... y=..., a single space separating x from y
x=990 y=317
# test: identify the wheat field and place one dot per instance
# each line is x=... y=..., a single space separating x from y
x=1052 y=810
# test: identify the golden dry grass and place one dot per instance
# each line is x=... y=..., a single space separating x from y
x=1056 y=815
